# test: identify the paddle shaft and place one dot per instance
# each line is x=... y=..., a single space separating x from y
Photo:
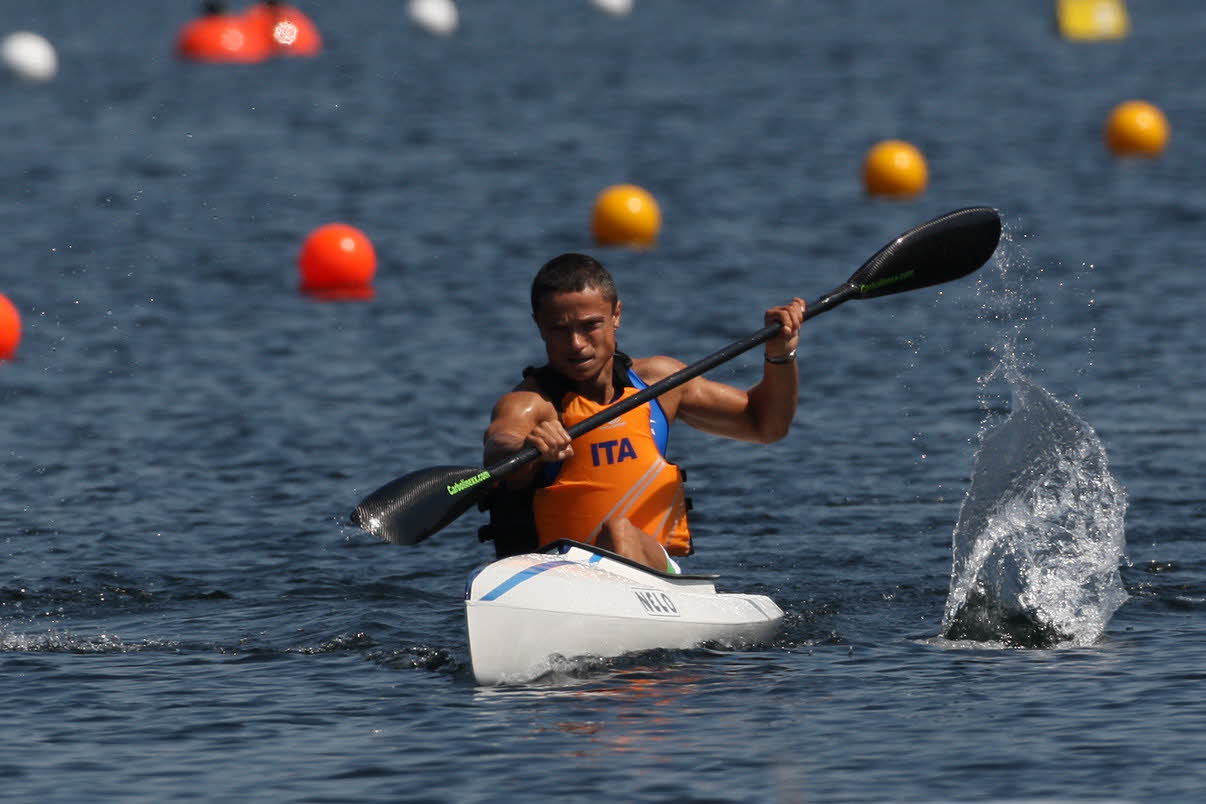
x=529 y=454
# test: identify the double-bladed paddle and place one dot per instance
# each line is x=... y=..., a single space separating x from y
x=413 y=507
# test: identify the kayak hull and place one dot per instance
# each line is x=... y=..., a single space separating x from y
x=526 y=614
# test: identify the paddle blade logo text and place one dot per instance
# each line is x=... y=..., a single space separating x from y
x=871 y=287
x=468 y=483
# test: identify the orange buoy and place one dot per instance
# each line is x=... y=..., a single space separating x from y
x=10 y=328
x=285 y=29
x=216 y=36
x=626 y=215
x=337 y=261
x=895 y=168
x=1136 y=128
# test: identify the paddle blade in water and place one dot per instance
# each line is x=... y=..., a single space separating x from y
x=411 y=508
x=943 y=249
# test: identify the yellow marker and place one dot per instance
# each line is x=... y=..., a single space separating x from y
x=1137 y=128
x=895 y=168
x=1092 y=19
x=626 y=215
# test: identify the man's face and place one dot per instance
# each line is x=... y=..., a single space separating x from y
x=579 y=332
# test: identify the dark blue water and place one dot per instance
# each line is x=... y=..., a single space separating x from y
x=184 y=613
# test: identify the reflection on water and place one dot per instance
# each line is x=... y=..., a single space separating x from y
x=633 y=710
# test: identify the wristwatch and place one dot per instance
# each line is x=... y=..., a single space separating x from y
x=787 y=358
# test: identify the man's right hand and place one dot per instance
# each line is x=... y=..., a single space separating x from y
x=551 y=440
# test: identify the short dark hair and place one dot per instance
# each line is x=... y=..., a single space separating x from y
x=572 y=273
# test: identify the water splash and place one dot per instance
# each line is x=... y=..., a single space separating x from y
x=1041 y=533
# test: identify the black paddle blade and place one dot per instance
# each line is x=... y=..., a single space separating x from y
x=411 y=508
x=946 y=248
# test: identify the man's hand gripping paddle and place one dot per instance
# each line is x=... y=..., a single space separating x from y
x=413 y=507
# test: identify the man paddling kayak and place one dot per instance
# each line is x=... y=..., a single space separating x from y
x=612 y=486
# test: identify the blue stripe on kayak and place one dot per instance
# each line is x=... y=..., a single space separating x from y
x=520 y=577
x=595 y=558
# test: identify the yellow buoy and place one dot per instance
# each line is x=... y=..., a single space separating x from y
x=626 y=215
x=1136 y=128
x=1081 y=20
x=895 y=168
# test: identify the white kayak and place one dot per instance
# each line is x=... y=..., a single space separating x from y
x=527 y=613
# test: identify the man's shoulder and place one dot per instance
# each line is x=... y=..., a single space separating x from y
x=526 y=398
x=528 y=385
x=654 y=368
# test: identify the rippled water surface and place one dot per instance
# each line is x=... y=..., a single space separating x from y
x=184 y=613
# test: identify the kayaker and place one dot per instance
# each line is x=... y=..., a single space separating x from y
x=613 y=486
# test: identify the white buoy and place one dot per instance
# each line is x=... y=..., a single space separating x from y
x=30 y=56
x=435 y=16
x=617 y=7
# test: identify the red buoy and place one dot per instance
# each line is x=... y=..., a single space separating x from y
x=10 y=329
x=285 y=29
x=216 y=36
x=337 y=261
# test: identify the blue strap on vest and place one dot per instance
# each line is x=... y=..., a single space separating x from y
x=658 y=425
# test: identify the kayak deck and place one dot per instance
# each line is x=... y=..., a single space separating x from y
x=525 y=613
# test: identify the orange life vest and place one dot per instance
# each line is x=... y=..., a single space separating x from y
x=617 y=469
